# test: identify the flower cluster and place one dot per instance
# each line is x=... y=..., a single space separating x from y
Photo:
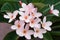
x=29 y=22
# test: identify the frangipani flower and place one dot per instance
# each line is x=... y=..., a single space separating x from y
x=18 y=25
x=38 y=32
x=25 y=32
x=27 y=8
x=54 y=11
x=24 y=16
x=46 y=25
x=11 y=16
x=34 y=22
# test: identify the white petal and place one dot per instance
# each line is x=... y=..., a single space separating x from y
x=9 y=14
x=44 y=19
x=52 y=7
x=15 y=12
x=19 y=32
x=37 y=20
x=6 y=16
x=43 y=31
x=31 y=5
x=38 y=14
x=55 y=12
x=40 y=35
x=10 y=20
x=21 y=13
x=35 y=35
x=27 y=27
x=24 y=5
x=22 y=9
x=48 y=23
x=47 y=28
x=13 y=27
x=30 y=32
x=21 y=18
x=32 y=25
x=37 y=26
x=28 y=36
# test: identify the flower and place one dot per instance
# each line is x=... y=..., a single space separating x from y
x=18 y=25
x=46 y=25
x=54 y=11
x=24 y=16
x=27 y=8
x=25 y=32
x=38 y=32
x=11 y=16
x=34 y=22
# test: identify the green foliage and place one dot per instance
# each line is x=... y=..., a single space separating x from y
x=11 y=36
x=47 y=36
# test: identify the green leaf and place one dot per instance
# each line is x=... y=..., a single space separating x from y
x=55 y=33
x=7 y=7
x=11 y=36
x=47 y=36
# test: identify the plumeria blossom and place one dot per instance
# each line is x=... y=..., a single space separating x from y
x=28 y=8
x=11 y=16
x=25 y=32
x=38 y=32
x=54 y=11
x=46 y=25
x=18 y=25
x=24 y=16
x=34 y=22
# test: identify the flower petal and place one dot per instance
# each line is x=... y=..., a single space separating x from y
x=40 y=35
x=10 y=20
x=28 y=36
x=47 y=28
x=6 y=16
x=35 y=35
x=37 y=26
x=19 y=32
x=21 y=9
x=43 y=31
x=52 y=7
x=48 y=23
x=38 y=14
x=55 y=12
x=24 y=5
x=21 y=13
x=31 y=5
x=30 y=32
x=13 y=27
x=44 y=19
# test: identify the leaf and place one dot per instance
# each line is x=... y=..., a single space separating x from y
x=47 y=36
x=11 y=36
x=7 y=7
x=55 y=33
